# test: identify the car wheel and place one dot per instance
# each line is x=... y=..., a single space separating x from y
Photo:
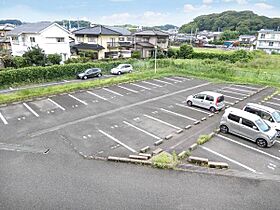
x=224 y=129
x=212 y=109
x=99 y=75
x=189 y=103
x=119 y=73
x=130 y=71
x=85 y=77
x=261 y=143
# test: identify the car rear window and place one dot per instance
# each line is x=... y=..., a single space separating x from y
x=233 y=118
x=220 y=99
x=209 y=98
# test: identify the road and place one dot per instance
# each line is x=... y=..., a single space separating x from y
x=55 y=181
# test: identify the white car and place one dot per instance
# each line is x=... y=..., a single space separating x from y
x=208 y=100
x=122 y=68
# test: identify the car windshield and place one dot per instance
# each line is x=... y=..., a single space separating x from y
x=120 y=66
x=87 y=71
x=262 y=125
x=276 y=116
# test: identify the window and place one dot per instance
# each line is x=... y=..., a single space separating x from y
x=253 y=111
x=121 y=39
x=248 y=123
x=92 y=39
x=266 y=116
x=32 y=39
x=272 y=36
x=145 y=39
x=262 y=36
x=80 y=38
x=233 y=118
x=199 y=97
x=60 y=39
x=220 y=99
x=15 y=40
x=209 y=98
x=270 y=44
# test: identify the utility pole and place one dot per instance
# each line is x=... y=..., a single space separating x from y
x=155 y=59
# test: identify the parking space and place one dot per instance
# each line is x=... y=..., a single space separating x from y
x=122 y=119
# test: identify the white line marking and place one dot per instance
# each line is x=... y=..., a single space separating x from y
x=161 y=121
x=141 y=86
x=273 y=165
x=278 y=141
x=118 y=141
x=270 y=167
x=188 y=107
x=278 y=99
x=83 y=102
x=232 y=97
x=31 y=110
x=229 y=159
x=253 y=88
x=128 y=89
x=111 y=91
x=98 y=96
x=179 y=115
x=225 y=91
x=275 y=104
x=229 y=103
x=63 y=109
x=252 y=148
x=174 y=80
x=183 y=78
x=151 y=84
x=3 y=119
x=112 y=111
x=240 y=90
x=163 y=81
x=146 y=132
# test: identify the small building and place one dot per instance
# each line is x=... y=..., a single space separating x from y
x=50 y=37
x=268 y=41
x=147 y=41
x=247 y=39
x=5 y=44
x=104 y=41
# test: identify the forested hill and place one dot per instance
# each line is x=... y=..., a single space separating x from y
x=246 y=22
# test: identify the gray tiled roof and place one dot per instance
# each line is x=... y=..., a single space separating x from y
x=151 y=33
x=96 y=30
x=30 y=28
x=123 y=31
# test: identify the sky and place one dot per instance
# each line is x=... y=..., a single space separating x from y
x=137 y=12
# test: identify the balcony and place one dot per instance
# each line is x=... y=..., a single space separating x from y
x=113 y=45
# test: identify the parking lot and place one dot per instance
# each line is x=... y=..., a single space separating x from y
x=121 y=120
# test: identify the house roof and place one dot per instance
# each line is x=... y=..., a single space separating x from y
x=30 y=28
x=151 y=33
x=123 y=31
x=96 y=30
x=145 y=44
x=247 y=36
x=7 y=27
x=84 y=46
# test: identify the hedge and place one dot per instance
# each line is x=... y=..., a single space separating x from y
x=55 y=72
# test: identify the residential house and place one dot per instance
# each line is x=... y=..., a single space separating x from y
x=247 y=39
x=5 y=44
x=50 y=37
x=147 y=41
x=105 y=41
x=268 y=41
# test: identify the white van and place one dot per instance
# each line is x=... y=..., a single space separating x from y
x=268 y=114
x=248 y=126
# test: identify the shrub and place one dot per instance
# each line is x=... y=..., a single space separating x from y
x=19 y=62
x=35 y=56
x=164 y=160
x=54 y=59
x=185 y=51
x=203 y=139
x=136 y=54
x=172 y=53
x=78 y=60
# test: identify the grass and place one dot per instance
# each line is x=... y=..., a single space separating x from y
x=213 y=50
x=165 y=160
x=203 y=139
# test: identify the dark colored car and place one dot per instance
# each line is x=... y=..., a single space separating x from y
x=90 y=73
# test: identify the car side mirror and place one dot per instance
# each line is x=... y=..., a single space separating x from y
x=255 y=128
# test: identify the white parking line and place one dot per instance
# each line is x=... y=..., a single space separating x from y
x=278 y=141
x=98 y=96
x=179 y=115
x=183 y=78
x=229 y=159
x=252 y=88
x=188 y=107
x=31 y=110
x=63 y=109
x=83 y=102
x=225 y=91
x=146 y=132
x=275 y=104
x=151 y=84
x=141 y=86
x=111 y=91
x=128 y=89
x=118 y=141
x=241 y=90
x=232 y=97
x=229 y=103
x=3 y=119
x=173 y=80
x=161 y=121
x=252 y=148
x=168 y=83
x=278 y=99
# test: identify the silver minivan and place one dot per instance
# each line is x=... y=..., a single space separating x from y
x=268 y=114
x=248 y=126
x=208 y=100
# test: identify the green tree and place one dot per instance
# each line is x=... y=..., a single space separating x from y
x=136 y=54
x=54 y=59
x=229 y=35
x=35 y=56
x=172 y=53
x=185 y=51
x=19 y=62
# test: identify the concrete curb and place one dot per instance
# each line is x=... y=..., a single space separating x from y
x=219 y=165
x=158 y=142
x=168 y=137
x=196 y=122
x=203 y=119
x=198 y=160
x=144 y=149
x=188 y=127
x=128 y=160
x=145 y=155
x=193 y=147
x=138 y=157
x=211 y=115
x=157 y=151
x=182 y=154
x=179 y=131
